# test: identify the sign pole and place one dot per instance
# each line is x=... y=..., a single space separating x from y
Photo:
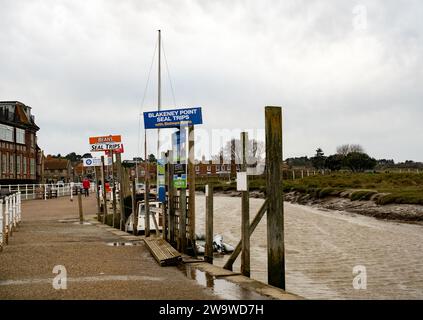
x=146 y=188
x=113 y=190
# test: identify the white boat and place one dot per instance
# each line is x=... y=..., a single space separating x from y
x=155 y=214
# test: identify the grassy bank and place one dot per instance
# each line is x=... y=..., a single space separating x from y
x=383 y=188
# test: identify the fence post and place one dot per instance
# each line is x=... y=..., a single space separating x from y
x=19 y=207
x=10 y=219
x=208 y=254
x=45 y=191
x=275 y=212
x=1 y=226
x=6 y=221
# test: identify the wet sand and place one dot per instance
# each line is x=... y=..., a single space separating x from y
x=322 y=248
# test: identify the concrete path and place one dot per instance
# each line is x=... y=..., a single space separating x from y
x=50 y=236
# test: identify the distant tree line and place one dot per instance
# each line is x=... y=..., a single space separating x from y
x=351 y=157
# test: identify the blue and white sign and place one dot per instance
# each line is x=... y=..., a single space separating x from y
x=172 y=118
x=96 y=162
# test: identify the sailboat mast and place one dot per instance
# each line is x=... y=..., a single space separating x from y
x=159 y=93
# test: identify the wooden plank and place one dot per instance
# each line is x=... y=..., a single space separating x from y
x=275 y=214
x=163 y=252
x=228 y=265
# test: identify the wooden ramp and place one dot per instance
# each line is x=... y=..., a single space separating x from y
x=163 y=252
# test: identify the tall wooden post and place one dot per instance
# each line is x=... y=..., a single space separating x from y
x=97 y=192
x=113 y=191
x=275 y=212
x=183 y=220
x=208 y=254
x=121 y=191
x=191 y=187
x=134 y=208
x=165 y=205
x=147 y=203
x=171 y=203
x=104 y=190
x=81 y=214
x=245 y=218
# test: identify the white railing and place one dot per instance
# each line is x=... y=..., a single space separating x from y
x=10 y=216
x=44 y=191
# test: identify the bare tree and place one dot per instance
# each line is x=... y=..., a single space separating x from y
x=345 y=149
x=233 y=150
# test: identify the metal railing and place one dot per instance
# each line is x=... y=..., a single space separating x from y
x=44 y=191
x=10 y=216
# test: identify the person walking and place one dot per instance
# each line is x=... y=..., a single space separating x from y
x=86 y=186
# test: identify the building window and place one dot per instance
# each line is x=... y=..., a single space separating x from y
x=32 y=167
x=6 y=133
x=18 y=164
x=4 y=163
x=25 y=166
x=208 y=168
x=11 y=165
x=217 y=168
x=20 y=136
x=197 y=168
x=32 y=140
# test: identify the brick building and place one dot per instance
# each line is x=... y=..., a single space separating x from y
x=57 y=169
x=20 y=156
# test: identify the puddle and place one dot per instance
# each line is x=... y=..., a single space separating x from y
x=68 y=220
x=121 y=244
x=220 y=286
x=84 y=223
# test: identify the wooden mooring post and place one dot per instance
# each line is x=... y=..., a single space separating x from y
x=81 y=214
x=171 y=201
x=134 y=208
x=103 y=182
x=208 y=254
x=191 y=188
x=275 y=210
x=245 y=216
x=113 y=192
x=121 y=191
x=183 y=220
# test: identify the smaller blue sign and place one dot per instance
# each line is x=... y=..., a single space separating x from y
x=172 y=118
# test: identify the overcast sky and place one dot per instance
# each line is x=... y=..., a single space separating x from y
x=343 y=71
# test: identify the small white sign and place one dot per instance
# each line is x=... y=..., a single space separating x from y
x=96 y=162
x=241 y=181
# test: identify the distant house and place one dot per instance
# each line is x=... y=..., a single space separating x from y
x=57 y=169
x=20 y=156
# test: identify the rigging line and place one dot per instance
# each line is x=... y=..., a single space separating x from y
x=140 y=111
x=168 y=73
